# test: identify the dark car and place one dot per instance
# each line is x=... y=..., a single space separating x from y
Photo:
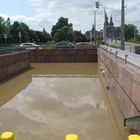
x=86 y=45
x=64 y=44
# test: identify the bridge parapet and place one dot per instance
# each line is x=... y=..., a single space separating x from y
x=64 y=55
x=123 y=80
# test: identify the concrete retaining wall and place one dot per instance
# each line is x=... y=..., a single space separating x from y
x=123 y=80
x=12 y=63
x=64 y=55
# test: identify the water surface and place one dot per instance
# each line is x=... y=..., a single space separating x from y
x=52 y=100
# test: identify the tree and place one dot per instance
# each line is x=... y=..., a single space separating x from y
x=33 y=37
x=130 y=30
x=2 y=25
x=16 y=28
x=43 y=36
x=61 y=23
x=64 y=33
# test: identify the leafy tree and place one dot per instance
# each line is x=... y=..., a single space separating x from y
x=43 y=36
x=61 y=23
x=130 y=29
x=2 y=25
x=19 y=27
x=64 y=33
x=2 y=29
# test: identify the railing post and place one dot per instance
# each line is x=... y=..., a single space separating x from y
x=7 y=136
x=116 y=54
x=126 y=56
x=110 y=51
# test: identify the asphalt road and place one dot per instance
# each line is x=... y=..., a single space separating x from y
x=128 y=45
x=125 y=55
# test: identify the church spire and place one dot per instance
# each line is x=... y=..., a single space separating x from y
x=106 y=18
x=111 y=22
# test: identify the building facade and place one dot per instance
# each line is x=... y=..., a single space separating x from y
x=110 y=31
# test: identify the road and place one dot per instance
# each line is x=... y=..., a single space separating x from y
x=128 y=45
x=130 y=57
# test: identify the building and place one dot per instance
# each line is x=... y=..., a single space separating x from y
x=110 y=31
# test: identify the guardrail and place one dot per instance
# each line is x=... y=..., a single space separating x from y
x=4 y=50
x=128 y=57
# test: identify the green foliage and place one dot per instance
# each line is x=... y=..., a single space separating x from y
x=64 y=33
x=43 y=36
x=114 y=46
x=61 y=23
x=62 y=30
x=99 y=39
x=130 y=29
x=15 y=29
x=2 y=25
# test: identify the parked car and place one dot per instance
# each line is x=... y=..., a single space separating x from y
x=30 y=46
x=64 y=44
x=86 y=45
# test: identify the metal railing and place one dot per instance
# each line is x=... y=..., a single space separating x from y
x=5 y=50
x=128 y=57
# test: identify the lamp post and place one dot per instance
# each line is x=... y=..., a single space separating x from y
x=97 y=7
x=19 y=35
x=5 y=38
x=94 y=25
x=122 y=26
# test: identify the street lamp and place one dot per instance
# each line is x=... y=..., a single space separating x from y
x=122 y=26
x=97 y=7
x=19 y=35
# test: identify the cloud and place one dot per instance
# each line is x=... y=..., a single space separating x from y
x=36 y=3
x=79 y=13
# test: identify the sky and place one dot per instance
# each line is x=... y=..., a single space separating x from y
x=39 y=14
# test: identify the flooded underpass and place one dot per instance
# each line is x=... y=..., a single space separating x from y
x=51 y=100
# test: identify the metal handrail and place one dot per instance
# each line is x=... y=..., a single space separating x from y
x=4 y=50
x=128 y=57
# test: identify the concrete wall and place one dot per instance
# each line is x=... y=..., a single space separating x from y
x=12 y=63
x=123 y=80
x=64 y=55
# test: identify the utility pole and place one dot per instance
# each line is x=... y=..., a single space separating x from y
x=104 y=35
x=97 y=7
x=122 y=26
x=135 y=34
x=95 y=26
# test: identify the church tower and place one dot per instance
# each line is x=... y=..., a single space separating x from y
x=106 y=20
x=111 y=22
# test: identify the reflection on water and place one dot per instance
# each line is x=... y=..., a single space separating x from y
x=51 y=107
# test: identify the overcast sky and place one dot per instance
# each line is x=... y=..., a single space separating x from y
x=45 y=13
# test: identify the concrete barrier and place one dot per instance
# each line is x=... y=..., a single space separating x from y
x=13 y=63
x=64 y=55
x=123 y=80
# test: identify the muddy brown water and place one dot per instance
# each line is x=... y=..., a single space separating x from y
x=51 y=100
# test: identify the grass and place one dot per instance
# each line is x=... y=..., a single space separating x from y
x=115 y=46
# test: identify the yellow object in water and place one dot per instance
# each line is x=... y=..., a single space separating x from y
x=72 y=137
x=7 y=136
x=134 y=137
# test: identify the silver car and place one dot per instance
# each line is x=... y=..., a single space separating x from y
x=30 y=46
